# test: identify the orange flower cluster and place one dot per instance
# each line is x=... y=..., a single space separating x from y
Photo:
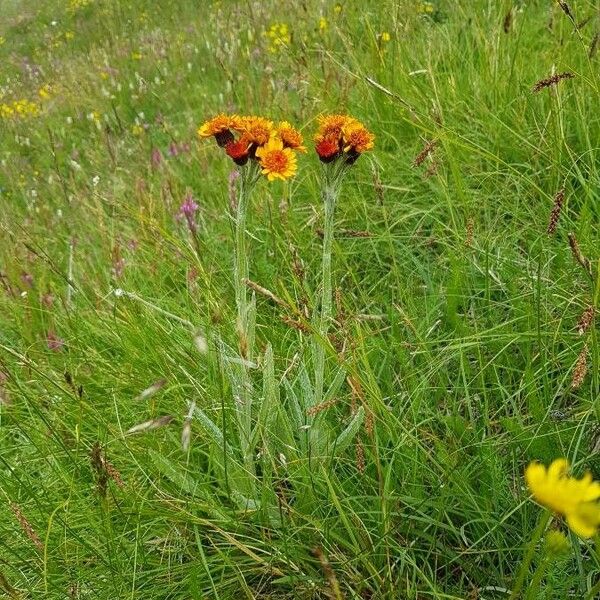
x=247 y=138
x=342 y=136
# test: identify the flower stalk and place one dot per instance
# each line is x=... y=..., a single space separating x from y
x=330 y=195
x=339 y=142
x=240 y=250
x=529 y=554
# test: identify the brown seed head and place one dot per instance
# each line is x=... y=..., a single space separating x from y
x=586 y=319
x=581 y=368
x=551 y=81
x=427 y=150
x=26 y=526
x=556 y=210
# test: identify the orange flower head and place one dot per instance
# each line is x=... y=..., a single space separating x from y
x=238 y=151
x=219 y=127
x=332 y=125
x=276 y=161
x=328 y=148
x=357 y=138
x=290 y=137
x=257 y=130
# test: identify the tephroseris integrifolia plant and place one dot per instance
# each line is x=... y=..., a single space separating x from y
x=339 y=142
x=257 y=147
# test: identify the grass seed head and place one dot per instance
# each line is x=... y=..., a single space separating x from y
x=559 y=199
x=551 y=81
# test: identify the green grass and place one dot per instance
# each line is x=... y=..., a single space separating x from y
x=456 y=320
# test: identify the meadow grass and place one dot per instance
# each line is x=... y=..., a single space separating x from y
x=459 y=335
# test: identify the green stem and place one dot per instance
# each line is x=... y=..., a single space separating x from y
x=330 y=194
x=241 y=257
x=593 y=593
x=536 y=580
x=524 y=569
x=595 y=590
x=248 y=179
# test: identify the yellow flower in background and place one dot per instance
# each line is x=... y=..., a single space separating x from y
x=337 y=9
x=69 y=35
x=77 y=4
x=385 y=37
x=425 y=8
x=19 y=109
x=574 y=499
x=136 y=56
x=6 y=111
x=137 y=130
x=45 y=91
x=279 y=36
x=276 y=161
x=323 y=25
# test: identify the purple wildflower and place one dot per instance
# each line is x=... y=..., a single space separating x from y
x=54 y=342
x=175 y=149
x=27 y=279
x=188 y=211
x=156 y=158
x=118 y=267
x=48 y=300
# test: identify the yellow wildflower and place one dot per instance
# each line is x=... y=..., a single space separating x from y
x=6 y=111
x=279 y=36
x=385 y=37
x=323 y=24
x=425 y=8
x=77 y=4
x=276 y=161
x=574 y=499
x=44 y=91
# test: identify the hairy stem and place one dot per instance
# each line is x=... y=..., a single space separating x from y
x=330 y=194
